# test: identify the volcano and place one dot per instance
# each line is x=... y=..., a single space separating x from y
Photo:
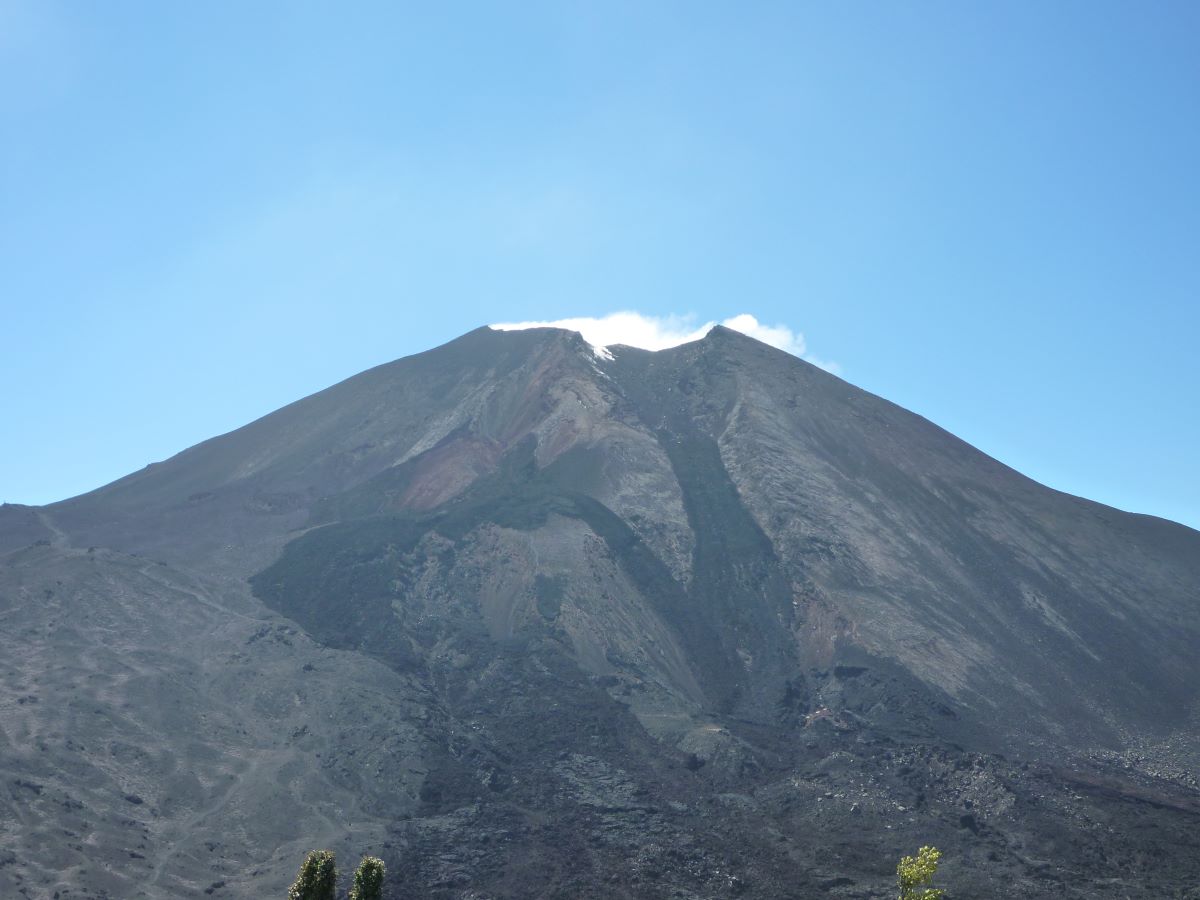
x=530 y=621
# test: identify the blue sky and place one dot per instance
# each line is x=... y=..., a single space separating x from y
x=988 y=213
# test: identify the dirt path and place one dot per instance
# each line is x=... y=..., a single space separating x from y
x=60 y=539
x=149 y=571
x=190 y=826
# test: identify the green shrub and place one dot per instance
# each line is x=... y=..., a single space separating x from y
x=368 y=879
x=916 y=872
x=317 y=879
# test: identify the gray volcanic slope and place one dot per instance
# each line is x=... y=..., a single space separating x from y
x=526 y=622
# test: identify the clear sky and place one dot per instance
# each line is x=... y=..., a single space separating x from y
x=986 y=212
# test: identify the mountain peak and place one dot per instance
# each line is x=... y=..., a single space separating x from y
x=602 y=597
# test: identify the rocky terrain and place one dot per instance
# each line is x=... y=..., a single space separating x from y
x=529 y=621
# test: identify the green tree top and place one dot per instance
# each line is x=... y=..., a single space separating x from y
x=368 y=879
x=317 y=879
x=916 y=873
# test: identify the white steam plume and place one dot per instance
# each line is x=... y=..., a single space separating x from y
x=659 y=332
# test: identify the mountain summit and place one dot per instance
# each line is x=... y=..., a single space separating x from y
x=526 y=621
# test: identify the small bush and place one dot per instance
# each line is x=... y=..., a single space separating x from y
x=916 y=872
x=368 y=879
x=317 y=879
